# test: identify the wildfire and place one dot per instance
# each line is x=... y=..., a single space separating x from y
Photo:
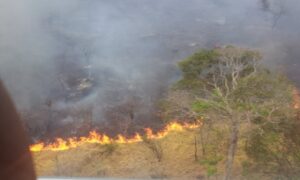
x=97 y=138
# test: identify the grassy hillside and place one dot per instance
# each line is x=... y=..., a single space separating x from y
x=172 y=156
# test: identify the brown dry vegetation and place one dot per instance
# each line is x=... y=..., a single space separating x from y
x=136 y=160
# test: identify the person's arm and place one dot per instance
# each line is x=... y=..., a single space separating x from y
x=15 y=158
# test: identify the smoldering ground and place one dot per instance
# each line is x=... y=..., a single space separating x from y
x=110 y=61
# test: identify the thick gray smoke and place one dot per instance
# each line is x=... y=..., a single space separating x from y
x=102 y=53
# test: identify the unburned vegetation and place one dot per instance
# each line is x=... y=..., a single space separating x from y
x=172 y=156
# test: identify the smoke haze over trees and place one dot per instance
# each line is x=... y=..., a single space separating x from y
x=65 y=58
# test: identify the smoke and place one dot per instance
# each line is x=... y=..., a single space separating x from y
x=125 y=49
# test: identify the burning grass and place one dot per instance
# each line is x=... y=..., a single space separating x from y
x=98 y=138
x=136 y=160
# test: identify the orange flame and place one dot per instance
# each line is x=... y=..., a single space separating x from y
x=97 y=138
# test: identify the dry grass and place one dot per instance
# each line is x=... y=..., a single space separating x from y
x=125 y=160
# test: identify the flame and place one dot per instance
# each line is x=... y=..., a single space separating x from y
x=97 y=138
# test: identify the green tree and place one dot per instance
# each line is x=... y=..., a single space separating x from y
x=273 y=147
x=229 y=85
